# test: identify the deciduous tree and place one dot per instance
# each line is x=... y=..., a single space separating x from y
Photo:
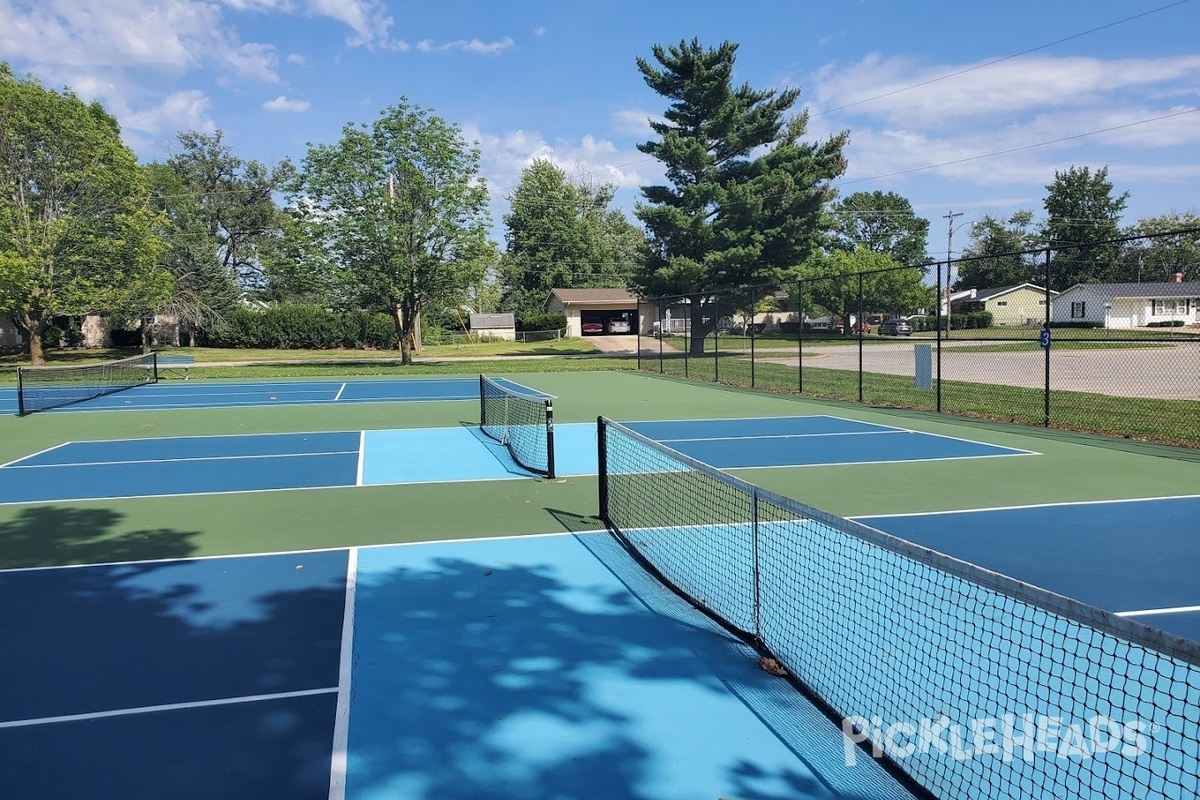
x=882 y=222
x=998 y=245
x=1081 y=208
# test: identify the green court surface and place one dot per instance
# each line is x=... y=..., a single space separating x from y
x=1068 y=468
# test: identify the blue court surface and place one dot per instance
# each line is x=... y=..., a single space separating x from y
x=536 y=667
x=282 y=461
x=215 y=394
x=1137 y=558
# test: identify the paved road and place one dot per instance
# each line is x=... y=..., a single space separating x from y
x=1166 y=371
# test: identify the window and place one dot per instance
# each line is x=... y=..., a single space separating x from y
x=1079 y=310
x=1001 y=303
x=1041 y=302
x=1163 y=307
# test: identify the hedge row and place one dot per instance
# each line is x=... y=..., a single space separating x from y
x=298 y=326
x=973 y=319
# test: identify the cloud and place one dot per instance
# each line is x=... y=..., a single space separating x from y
x=186 y=110
x=470 y=46
x=539 y=30
x=285 y=104
x=297 y=59
x=367 y=18
x=634 y=121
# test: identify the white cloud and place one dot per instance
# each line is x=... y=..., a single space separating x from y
x=178 y=111
x=297 y=59
x=468 y=45
x=539 y=30
x=286 y=104
x=367 y=18
x=634 y=121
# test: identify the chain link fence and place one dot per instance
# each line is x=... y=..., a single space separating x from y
x=1120 y=358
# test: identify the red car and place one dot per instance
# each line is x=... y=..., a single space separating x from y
x=592 y=327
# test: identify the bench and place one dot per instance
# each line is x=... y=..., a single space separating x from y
x=177 y=364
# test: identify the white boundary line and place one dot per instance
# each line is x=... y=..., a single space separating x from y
x=362 y=449
x=277 y=553
x=213 y=436
x=180 y=460
x=925 y=460
x=82 y=409
x=341 y=720
x=338 y=396
x=38 y=453
x=1065 y=504
x=1150 y=611
x=125 y=712
x=791 y=436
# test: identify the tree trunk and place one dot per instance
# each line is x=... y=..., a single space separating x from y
x=33 y=325
x=404 y=336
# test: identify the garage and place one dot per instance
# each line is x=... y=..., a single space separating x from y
x=596 y=312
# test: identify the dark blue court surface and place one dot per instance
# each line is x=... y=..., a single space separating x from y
x=204 y=678
x=807 y=441
x=530 y=667
x=1137 y=558
x=214 y=394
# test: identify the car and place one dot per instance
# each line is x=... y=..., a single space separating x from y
x=618 y=326
x=895 y=327
x=591 y=327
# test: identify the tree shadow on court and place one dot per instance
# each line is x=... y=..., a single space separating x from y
x=46 y=535
x=99 y=639
x=502 y=680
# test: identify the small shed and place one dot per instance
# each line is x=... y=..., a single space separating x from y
x=493 y=326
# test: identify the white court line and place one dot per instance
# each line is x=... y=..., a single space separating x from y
x=753 y=437
x=1031 y=505
x=1150 y=611
x=31 y=455
x=338 y=396
x=272 y=553
x=125 y=712
x=925 y=460
x=211 y=436
x=182 y=460
x=362 y=449
x=82 y=408
x=341 y=719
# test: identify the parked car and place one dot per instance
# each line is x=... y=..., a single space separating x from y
x=895 y=327
x=592 y=327
x=618 y=326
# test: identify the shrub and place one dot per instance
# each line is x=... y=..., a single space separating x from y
x=541 y=321
x=1166 y=323
x=1076 y=323
x=300 y=326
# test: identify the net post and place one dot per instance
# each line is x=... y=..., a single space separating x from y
x=602 y=468
x=483 y=420
x=757 y=600
x=20 y=394
x=154 y=366
x=549 y=438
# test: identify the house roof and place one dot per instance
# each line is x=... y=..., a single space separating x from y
x=988 y=294
x=578 y=297
x=1115 y=290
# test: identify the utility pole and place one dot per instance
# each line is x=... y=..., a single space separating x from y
x=949 y=217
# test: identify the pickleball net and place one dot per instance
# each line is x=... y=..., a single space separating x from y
x=44 y=388
x=969 y=683
x=521 y=420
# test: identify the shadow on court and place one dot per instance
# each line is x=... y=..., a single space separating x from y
x=103 y=640
x=504 y=681
x=38 y=536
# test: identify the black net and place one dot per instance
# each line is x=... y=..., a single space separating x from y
x=43 y=388
x=970 y=683
x=522 y=421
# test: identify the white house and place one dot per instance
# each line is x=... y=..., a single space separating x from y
x=1129 y=305
x=597 y=312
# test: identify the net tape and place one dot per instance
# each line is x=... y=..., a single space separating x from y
x=522 y=421
x=972 y=684
x=44 y=388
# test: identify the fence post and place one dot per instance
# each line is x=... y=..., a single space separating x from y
x=800 y=340
x=1046 y=327
x=860 y=337
x=937 y=323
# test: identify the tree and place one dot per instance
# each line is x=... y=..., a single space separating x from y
x=204 y=288
x=998 y=244
x=745 y=194
x=1167 y=254
x=832 y=281
x=77 y=233
x=401 y=204
x=561 y=233
x=1081 y=208
x=882 y=222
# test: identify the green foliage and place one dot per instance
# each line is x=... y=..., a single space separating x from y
x=541 y=321
x=832 y=282
x=1166 y=323
x=1165 y=256
x=399 y=204
x=973 y=320
x=561 y=234
x=999 y=243
x=297 y=326
x=1076 y=323
x=77 y=233
x=744 y=195
x=1080 y=208
x=882 y=222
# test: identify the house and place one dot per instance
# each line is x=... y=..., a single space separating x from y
x=1129 y=305
x=598 y=312
x=1023 y=304
x=10 y=337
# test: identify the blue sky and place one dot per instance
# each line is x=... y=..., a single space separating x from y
x=558 y=80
